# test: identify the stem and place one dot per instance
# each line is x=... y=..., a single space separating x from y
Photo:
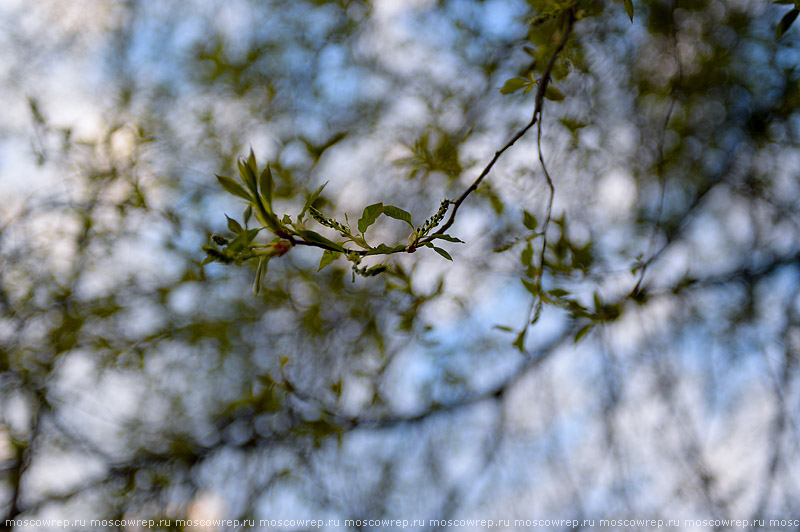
x=537 y=111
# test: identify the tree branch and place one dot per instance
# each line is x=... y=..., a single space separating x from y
x=537 y=111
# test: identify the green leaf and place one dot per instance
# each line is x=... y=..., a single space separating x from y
x=449 y=238
x=383 y=249
x=583 y=331
x=573 y=125
x=328 y=256
x=398 y=214
x=261 y=269
x=375 y=270
x=530 y=286
x=527 y=255
x=519 y=343
x=497 y=203
x=443 y=253
x=529 y=220
x=598 y=302
x=233 y=187
x=503 y=328
x=629 y=8
x=552 y=93
x=267 y=186
x=513 y=85
x=238 y=244
x=250 y=234
x=251 y=162
x=558 y=292
x=787 y=21
x=248 y=176
x=269 y=220
x=370 y=214
x=248 y=212
x=321 y=241
x=505 y=246
x=233 y=225
x=312 y=198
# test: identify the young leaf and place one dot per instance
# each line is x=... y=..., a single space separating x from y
x=233 y=225
x=251 y=162
x=552 y=93
x=318 y=239
x=503 y=328
x=449 y=238
x=233 y=187
x=530 y=286
x=238 y=244
x=250 y=234
x=398 y=214
x=527 y=255
x=629 y=8
x=598 y=302
x=443 y=253
x=370 y=214
x=248 y=212
x=375 y=270
x=529 y=220
x=267 y=185
x=519 y=343
x=383 y=249
x=328 y=256
x=261 y=269
x=787 y=21
x=248 y=176
x=311 y=199
x=269 y=220
x=583 y=331
x=513 y=85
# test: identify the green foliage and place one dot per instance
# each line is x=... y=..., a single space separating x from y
x=666 y=203
x=787 y=21
x=234 y=188
x=398 y=214
x=515 y=84
x=552 y=93
x=370 y=215
x=438 y=153
x=328 y=256
x=529 y=220
x=434 y=153
x=291 y=233
x=628 y=8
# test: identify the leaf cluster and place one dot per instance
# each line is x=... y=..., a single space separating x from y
x=289 y=232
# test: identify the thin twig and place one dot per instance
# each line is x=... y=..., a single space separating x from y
x=651 y=252
x=536 y=305
x=546 y=224
x=537 y=111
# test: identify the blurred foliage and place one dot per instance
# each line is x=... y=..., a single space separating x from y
x=621 y=343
